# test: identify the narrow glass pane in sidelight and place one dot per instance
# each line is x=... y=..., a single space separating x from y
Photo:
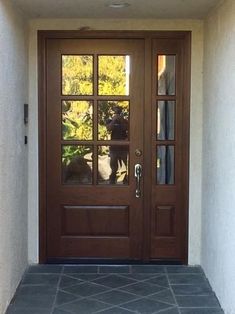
x=165 y=164
x=165 y=120
x=166 y=75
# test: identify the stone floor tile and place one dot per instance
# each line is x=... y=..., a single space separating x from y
x=58 y=311
x=197 y=301
x=140 y=277
x=115 y=297
x=41 y=279
x=36 y=290
x=145 y=306
x=86 y=289
x=159 y=280
x=173 y=310
x=32 y=301
x=64 y=297
x=84 y=306
x=201 y=311
x=165 y=296
x=115 y=310
x=148 y=269
x=67 y=281
x=48 y=269
x=27 y=310
x=85 y=277
x=142 y=289
x=201 y=289
x=184 y=269
x=190 y=279
x=81 y=269
x=111 y=269
x=114 y=281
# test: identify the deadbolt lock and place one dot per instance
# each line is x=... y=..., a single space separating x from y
x=138 y=152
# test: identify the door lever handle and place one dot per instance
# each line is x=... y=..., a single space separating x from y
x=138 y=175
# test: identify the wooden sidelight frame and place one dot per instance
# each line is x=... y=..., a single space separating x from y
x=148 y=37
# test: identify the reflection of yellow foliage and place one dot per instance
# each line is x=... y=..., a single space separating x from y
x=77 y=79
x=112 y=75
x=77 y=120
x=77 y=75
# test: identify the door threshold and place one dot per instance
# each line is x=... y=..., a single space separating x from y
x=105 y=261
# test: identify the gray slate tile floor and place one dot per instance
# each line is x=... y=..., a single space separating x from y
x=88 y=289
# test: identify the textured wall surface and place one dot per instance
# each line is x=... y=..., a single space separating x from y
x=218 y=200
x=13 y=152
x=196 y=27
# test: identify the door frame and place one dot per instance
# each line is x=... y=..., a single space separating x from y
x=147 y=37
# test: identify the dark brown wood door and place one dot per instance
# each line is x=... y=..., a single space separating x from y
x=94 y=125
x=114 y=134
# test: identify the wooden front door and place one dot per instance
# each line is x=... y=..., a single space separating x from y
x=114 y=148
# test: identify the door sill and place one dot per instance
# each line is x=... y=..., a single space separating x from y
x=105 y=261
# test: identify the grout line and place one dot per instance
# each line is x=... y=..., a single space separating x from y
x=164 y=310
x=177 y=305
x=57 y=290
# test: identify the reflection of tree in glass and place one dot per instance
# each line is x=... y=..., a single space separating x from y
x=77 y=79
x=112 y=75
x=77 y=120
x=77 y=75
x=72 y=151
x=105 y=112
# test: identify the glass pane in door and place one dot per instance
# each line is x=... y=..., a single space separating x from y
x=113 y=164
x=113 y=75
x=77 y=164
x=113 y=120
x=77 y=75
x=77 y=120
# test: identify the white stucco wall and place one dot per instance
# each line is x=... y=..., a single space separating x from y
x=13 y=152
x=196 y=27
x=218 y=198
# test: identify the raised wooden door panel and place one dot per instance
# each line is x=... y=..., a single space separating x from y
x=169 y=150
x=92 y=209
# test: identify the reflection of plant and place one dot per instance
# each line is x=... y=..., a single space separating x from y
x=77 y=75
x=72 y=151
x=77 y=120
x=112 y=75
x=103 y=150
x=77 y=116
